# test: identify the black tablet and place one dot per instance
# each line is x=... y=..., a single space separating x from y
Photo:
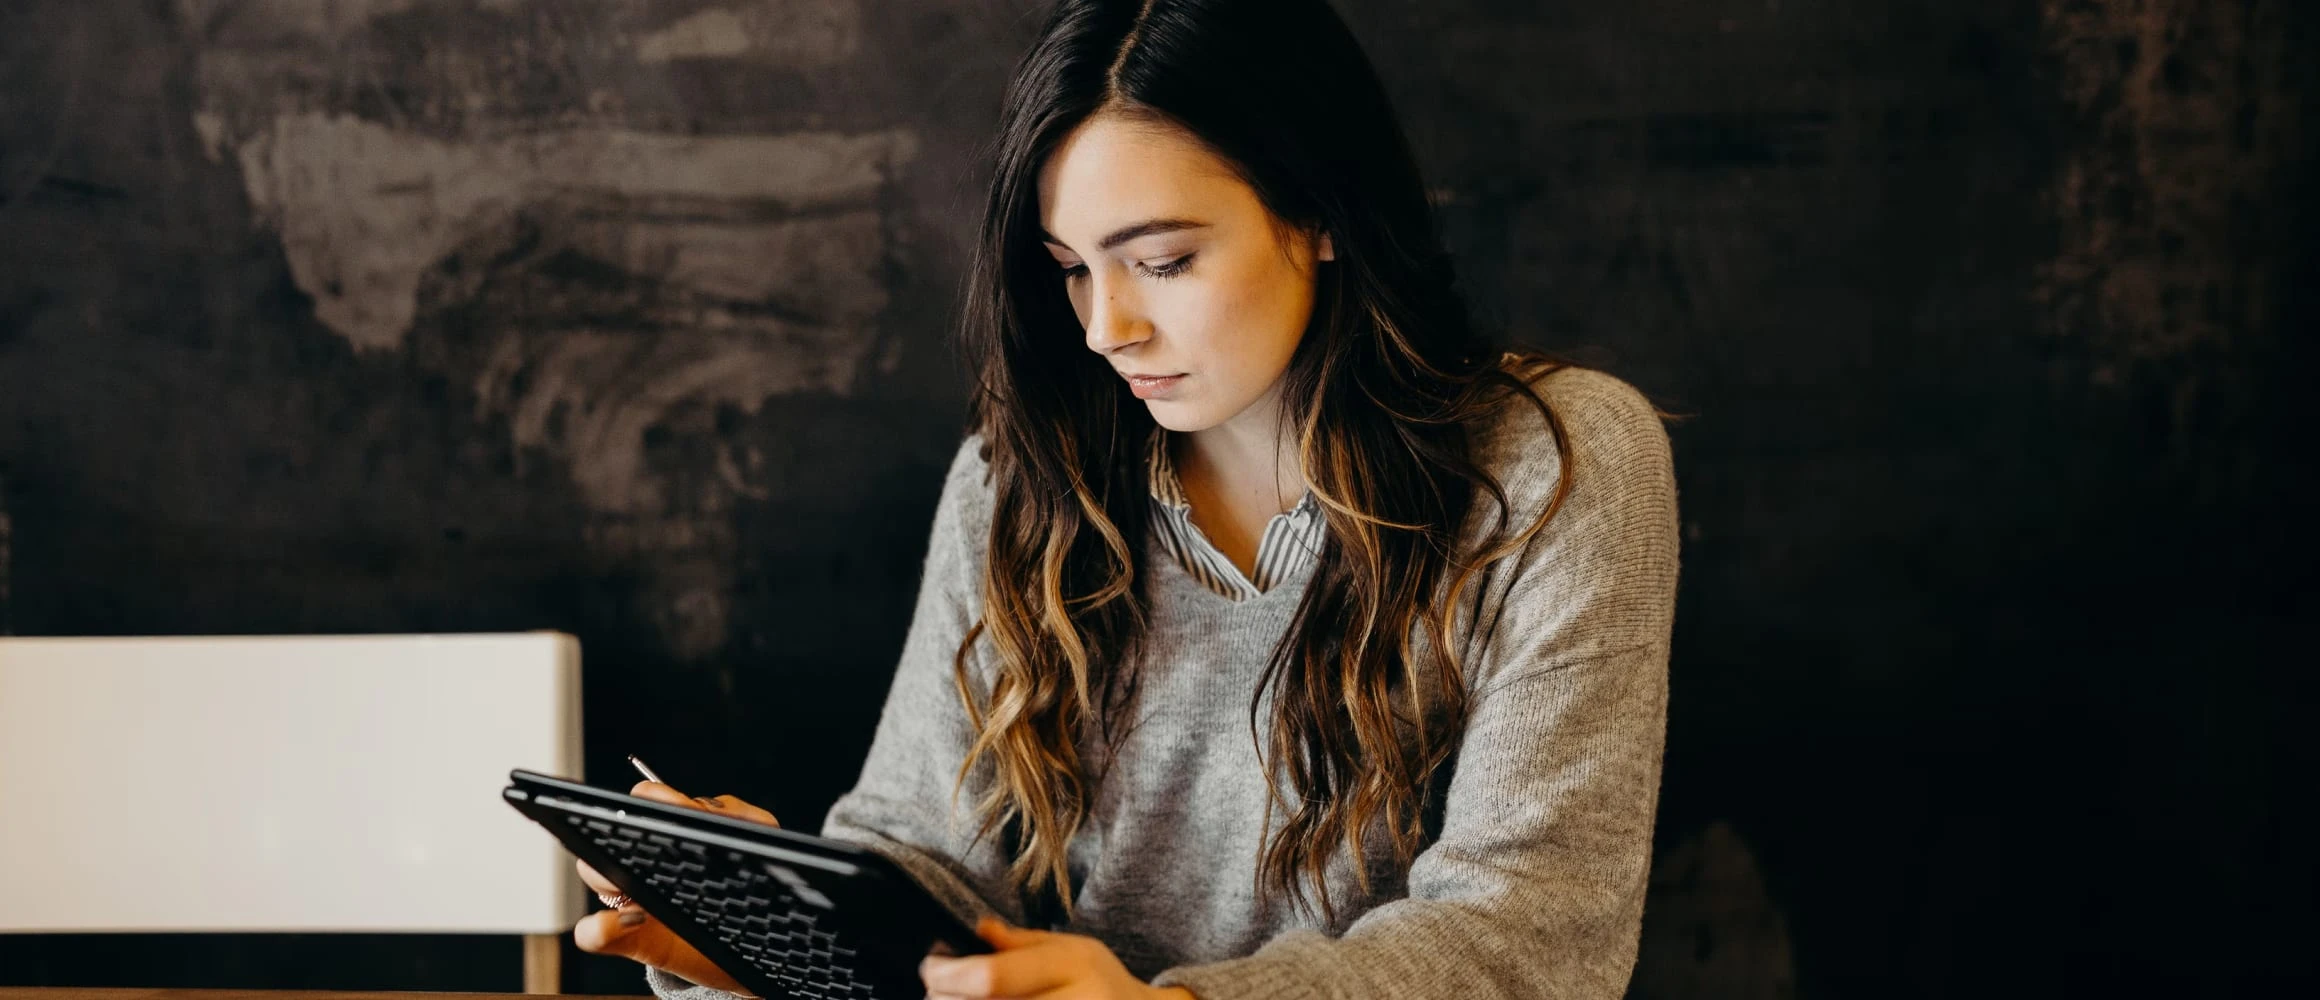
x=786 y=914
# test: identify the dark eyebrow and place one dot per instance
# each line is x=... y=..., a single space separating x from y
x=1124 y=234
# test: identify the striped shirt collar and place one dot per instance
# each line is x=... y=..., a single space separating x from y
x=1291 y=542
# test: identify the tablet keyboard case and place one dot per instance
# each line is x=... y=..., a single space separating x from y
x=765 y=915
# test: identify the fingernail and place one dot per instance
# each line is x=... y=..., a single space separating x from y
x=631 y=918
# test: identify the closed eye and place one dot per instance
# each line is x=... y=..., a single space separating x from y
x=1168 y=270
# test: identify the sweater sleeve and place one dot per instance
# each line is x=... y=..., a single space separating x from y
x=1534 y=886
x=901 y=806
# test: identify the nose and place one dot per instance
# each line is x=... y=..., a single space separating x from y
x=1113 y=321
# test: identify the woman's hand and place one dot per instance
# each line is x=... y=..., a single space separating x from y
x=1039 y=964
x=629 y=932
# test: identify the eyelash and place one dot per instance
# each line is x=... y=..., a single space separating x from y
x=1169 y=270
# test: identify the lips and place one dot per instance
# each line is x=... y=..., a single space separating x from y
x=1151 y=386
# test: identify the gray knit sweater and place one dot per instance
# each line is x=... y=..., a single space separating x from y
x=1533 y=884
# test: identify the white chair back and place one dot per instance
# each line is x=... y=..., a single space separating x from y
x=284 y=783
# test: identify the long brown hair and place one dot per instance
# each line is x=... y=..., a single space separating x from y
x=1384 y=390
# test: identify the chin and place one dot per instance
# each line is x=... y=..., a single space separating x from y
x=1181 y=418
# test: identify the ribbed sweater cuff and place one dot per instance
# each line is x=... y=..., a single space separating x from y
x=1282 y=971
x=670 y=986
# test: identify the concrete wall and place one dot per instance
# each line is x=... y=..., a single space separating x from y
x=626 y=318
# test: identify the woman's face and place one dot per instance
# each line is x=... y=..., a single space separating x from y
x=1175 y=270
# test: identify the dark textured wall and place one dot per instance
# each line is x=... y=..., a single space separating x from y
x=626 y=318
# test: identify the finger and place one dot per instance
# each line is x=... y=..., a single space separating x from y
x=658 y=792
x=725 y=804
x=1021 y=972
x=733 y=806
x=603 y=933
x=1004 y=936
x=595 y=880
x=631 y=933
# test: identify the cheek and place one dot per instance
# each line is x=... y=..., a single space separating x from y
x=1262 y=320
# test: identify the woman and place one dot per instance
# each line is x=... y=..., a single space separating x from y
x=1280 y=635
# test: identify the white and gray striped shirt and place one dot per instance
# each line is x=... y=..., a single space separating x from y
x=1292 y=539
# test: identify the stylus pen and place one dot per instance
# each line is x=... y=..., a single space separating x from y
x=646 y=771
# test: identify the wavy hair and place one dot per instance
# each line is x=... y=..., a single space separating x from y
x=1382 y=394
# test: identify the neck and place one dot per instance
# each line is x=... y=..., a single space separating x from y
x=1250 y=457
